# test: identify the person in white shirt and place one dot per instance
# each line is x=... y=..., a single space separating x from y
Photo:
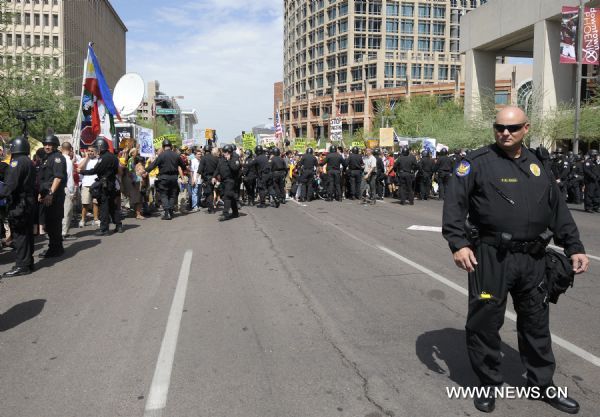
x=70 y=194
x=89 y=162
x=369 y=176
x=195 y=180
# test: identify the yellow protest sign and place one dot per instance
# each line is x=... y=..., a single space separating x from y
x=359 y=144
x=249 y=141
x=300 y=144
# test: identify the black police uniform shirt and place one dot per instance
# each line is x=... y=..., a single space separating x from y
x=278 y=164
x=444 y=164
x=355 y=162
x=426 y=165
x=19 y=181
x=591 y=170
x=406 y=163
x=334 y=161
x=106 y=167
x=504 y=195
x=309 y=162
x=261 y=164
x=247 y=170
x=53 y=166
x=208 y=165
x=167 y=163
x=227 y=169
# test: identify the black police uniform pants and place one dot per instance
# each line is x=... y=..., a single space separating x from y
x=230 y=197
x=575 y=191
x=279 y=184
x=306 y=182
x=53 y=216
x=443 y=180
x=498 y=273
x=168 y=188
x=22 y=236
x=592 y=196
x=405 y=187
x=265 y=185
x=355 y=182
x=109 y=209
x=425 y=186
x=208 y=195
x=334 y=189
x=250 y=187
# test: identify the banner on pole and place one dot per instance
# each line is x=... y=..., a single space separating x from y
x=590 y=48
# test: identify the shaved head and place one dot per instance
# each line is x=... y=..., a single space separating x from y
x=510 y=128
x=511 y=115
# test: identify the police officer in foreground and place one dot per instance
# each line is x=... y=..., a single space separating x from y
x=105 y=189
x=170 y=167
x=19 y=189
x=280 y=170
x=227 y=173
x=249 y=178
x=52 y=180
x=335 y=163
x=355 y=166
x=511 y=202
x=308 y=164
x=405 y=167
x=206 y=169
x=262 y=167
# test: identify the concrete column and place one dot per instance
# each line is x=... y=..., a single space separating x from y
x=480 y=81
x=553 y=82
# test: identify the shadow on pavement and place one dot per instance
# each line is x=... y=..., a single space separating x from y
x=70 y=251
x=20 y=313
x=445 y=352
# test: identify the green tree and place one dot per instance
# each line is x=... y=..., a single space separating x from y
x=162 y=126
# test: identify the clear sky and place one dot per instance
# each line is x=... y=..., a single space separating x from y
x=222 y=55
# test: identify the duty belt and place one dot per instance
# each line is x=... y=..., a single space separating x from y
x=504 y=241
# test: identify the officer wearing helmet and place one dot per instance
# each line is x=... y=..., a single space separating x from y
x=576 y=180
x=355 y=166
x=335 y=164
x=170 y=166
x=249 y=178
x=456 y=158
x=206 y=169
x=308 y=165
x=52 y=179
x=280 y=169
x=405 y=167
x=227 y=173
x=591 y=179
x=21 y=201
x=561 y=170
x=262 y=167
x=425 y=174
x=104 y=189
x=443 y=169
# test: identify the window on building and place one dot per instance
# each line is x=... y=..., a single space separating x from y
x=454 y=72
x=27 y=19
x=360 y=24
x=55 y=63
x=439 y=12
x=342 y=60
x=424 y=45
x=438 y=28
x=360 y=6
x=19 y=40
x=438 y=45
x=359 y=106
x=392 y=9
x=424 y=10
x=407 y=26
x=343 y=26
x=502 y=97
x=375 y=7
x=343 y=108
x=374 y=42
x=343 y=8
x=37 y=40
x=342 y=77
x=391 y=43
x=46 y=1
x=27 y=41
x=55 y=20
x=406 y=43
x=18 y=18
x=343 y=42
x=408 y=9
x=46 y=41
x=428 y=71
x=401 y=70
x=360 y=41
x=443 y=72
x=357 y=73
x=9 y=39
x=46 y=19
x=389 y=70
x=55 y=41
x=416 y=71
x=424 y=27
x=374 y=25
x=331 y=13
x=371 y=71
x=391 y=26
x=37 y=19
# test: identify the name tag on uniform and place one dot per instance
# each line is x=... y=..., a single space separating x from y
x=509 y=180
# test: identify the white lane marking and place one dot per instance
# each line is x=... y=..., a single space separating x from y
x=595 y=360
x=426 y=228
x=576 y=350
x=439 y=230
x=596 y=258
x=159 y=389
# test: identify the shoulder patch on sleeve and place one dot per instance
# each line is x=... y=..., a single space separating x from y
x=463 y=169
x=14 y=164
x=57 y=160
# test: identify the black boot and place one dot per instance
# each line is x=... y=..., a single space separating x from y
x=564 y=404
x=485 y=403
x=18 y=271
x=167 y=215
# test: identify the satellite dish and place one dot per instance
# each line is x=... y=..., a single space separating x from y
x=129 y=93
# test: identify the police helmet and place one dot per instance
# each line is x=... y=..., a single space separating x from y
x=405 y=151
x=207 y=149
x=310 y=151
x=355 y=149
x=101 y=144
x=559 y=151
x=444 y=152
x=51 y=140
x=332 y=149
x=376 y=151
x=593 y=153
x=424 y=154
x=248 y=153
x=259 y=150
x=233 y=146
x=19 y=146
x=228 y=148
x=275 y=152
x=167 y=143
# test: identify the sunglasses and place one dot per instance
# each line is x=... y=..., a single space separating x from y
x=511 y=128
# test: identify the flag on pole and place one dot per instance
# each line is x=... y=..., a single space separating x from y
x=97 y=110
x=278 y=128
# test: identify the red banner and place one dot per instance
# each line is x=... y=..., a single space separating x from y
x=590 y=50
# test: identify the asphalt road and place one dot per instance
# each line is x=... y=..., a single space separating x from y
x=319 y=309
